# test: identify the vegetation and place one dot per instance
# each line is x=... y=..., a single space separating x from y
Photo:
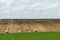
x=31 y=36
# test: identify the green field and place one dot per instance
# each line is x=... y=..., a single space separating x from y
x=31 y=36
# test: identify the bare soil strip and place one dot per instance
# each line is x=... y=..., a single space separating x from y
x=18 y=25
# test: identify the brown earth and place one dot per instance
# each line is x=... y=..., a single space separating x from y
x=29 y=25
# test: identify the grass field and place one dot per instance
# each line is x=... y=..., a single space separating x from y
x=31 y=36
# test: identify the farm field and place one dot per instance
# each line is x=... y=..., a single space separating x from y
x=29 y=25
x=37 y=29
x=31 y=36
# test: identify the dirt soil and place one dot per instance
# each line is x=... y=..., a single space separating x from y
x=29 y=25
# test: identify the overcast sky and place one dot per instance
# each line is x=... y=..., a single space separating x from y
x=29 y=9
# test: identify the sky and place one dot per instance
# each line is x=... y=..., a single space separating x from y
x=29 y=9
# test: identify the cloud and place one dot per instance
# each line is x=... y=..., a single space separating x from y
x=22 y=7
x=36 y=6
x=6 y=2
x=51 y=5
x=18 y=8
x=25 y=1
x=41 y=6
x=4 y=10
x=3 y=1
x=4 y=7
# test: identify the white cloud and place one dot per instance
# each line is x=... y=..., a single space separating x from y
x=3 y=1
x=4 y=11
x=9 y=2
x=51 y=5
x=20 y=8
x=36 y=6
x=41 y=6
x=25 y=1
x=6 y=2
